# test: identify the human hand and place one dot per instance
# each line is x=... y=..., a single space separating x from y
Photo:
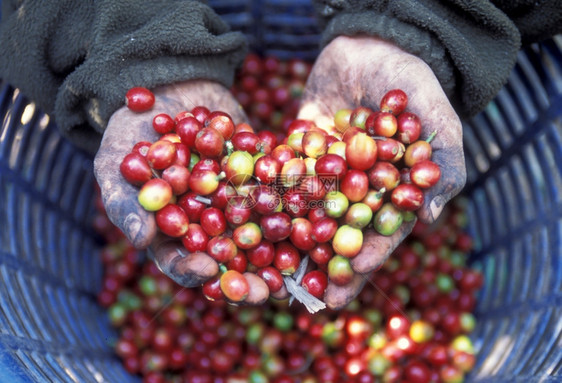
x=124 y=130
x=354 y=71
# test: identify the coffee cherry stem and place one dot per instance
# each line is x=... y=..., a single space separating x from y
x=205 y=200
x=381 y=138
x=155 y=173
x=229 y=147
x=431 y=136
x=222 y=268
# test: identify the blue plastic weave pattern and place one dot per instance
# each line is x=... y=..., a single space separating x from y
x=51 y=328
x=514 y=163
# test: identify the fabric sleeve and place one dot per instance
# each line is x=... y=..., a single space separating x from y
x=471 y=46
x=77 y=59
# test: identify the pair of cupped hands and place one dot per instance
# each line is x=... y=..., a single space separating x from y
x=350 y=71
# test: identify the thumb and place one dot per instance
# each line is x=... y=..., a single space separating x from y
x=453 y=178
x=121 y=204
x=119 y=196
x=337 y=297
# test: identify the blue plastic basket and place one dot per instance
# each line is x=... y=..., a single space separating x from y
x=51 y=328
x=282 y=28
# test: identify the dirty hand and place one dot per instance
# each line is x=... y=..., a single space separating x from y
x=358 y=71
x=124 y=130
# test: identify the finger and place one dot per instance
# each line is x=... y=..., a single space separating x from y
x=259 y=292
x=124 y=130
x=186 y=269
x=450 y=160
x=337 y=297
x=377 y=248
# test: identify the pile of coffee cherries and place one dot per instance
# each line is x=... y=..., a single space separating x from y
x=411 y=325
x=258 y=205
x=269 y=90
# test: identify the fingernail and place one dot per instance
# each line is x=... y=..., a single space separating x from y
x=436 y=207
x=132 y=226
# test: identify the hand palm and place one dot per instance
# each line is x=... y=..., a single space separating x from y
x=359 y=71
x=124 y=130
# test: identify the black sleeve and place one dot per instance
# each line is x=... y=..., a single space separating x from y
x=470 y=45
x=77 y=59
x=535 y=20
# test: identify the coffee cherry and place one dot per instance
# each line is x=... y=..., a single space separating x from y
x=213 y=221
x=247 y=236
x=246 y=141
x=172 y=220
x=358 y=215
x=163 y=123
x=382 y=124
x=238 y=263
x=361 y=152
x=387 y=219
x=315 y=282
x=347 y=241
x=354 y=185
x=222 y=249
x=409 y=127
x=425 y=174
x=374 y=199
x=272 y=278
x=139 y=99
x=417 y=372
x=135 y=169
x=204 y=182
x=314 y=144
x=239 y=167
x=209 y=142
x=195 y=238
x=324 y=229
x=161 y=154
x=301 y=234
x=335 y=204
x=383 y=175
x=178 y=178
x=417 y=152
x=155 y=194
x=407 y=197
x=394 y=101
x=266 y=169
x=234 y=286
x=222 y=123
x=339 y=270
x=390 y=150
x=201 y=113
x=287 y=258
x=276 y=226
x=322 y=253
x=188 y=128
x=421 y=331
